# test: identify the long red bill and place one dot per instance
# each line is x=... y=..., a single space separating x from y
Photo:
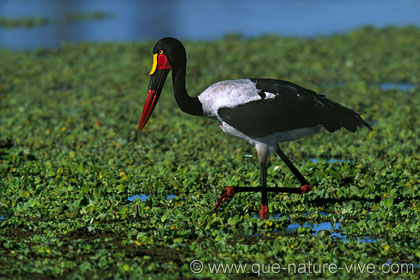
x=151 y=101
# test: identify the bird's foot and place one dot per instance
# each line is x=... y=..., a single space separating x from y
x=226 y=195
x=305 y=188
x=264 y=212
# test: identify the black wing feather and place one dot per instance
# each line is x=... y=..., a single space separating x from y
x=293 y=107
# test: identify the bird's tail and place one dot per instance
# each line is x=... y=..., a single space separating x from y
x=334 y=116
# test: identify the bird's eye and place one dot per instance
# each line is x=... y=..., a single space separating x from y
x=160 y=52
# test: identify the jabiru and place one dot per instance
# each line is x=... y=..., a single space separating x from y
x=261 y=111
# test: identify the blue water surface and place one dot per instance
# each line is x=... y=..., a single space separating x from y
x=142 y=197
x=399 y=86
x=327 y=226
x=197 y=19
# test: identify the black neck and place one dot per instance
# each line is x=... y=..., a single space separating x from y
x=190 y=105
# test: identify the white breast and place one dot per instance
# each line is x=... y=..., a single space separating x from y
x=228 y=94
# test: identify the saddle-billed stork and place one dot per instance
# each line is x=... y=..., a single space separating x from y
x=263 y=112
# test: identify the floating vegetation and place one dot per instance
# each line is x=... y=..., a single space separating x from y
x=30 y=22
x=70 y=167
x=87 y=16
x=26 y=22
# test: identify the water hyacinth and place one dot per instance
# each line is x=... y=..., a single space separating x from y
x=79 y=198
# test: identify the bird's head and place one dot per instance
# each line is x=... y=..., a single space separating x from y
x=168 y=53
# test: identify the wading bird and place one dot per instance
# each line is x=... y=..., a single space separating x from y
x=263 y=112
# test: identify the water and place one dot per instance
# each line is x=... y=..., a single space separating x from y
x=331 y=160
x=171 y=196
x=385 y=86
x=399 y=86
x=197 y=19
x=318 y=227
x=144 y=197
x=327 y=226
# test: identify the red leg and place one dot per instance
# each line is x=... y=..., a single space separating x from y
x=305 y=188
x=264 y=212
x=227 y=194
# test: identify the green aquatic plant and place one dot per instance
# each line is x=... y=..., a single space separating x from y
x=26 y=22
x=69 y=163
x=30 y=22
x=87 y=16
